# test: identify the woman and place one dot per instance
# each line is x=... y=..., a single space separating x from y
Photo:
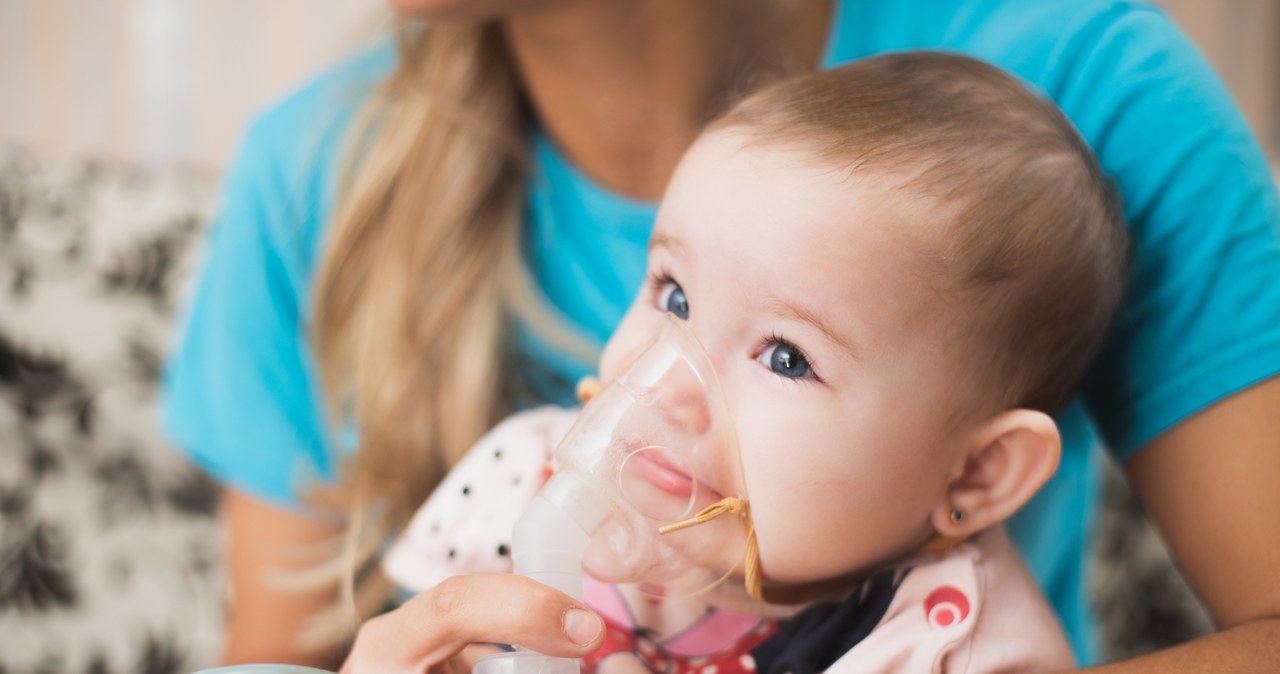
x=544 y=131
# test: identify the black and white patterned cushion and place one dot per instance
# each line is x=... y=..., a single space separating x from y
x=109 y=557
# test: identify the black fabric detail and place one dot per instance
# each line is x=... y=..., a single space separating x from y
x=35 y=575
x=160 y=656
x=818 y=636
x=94 y=504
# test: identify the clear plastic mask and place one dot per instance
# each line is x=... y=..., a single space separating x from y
x=659 y=443
x=651 y=450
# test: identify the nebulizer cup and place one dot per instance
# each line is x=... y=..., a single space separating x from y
x=649 y=452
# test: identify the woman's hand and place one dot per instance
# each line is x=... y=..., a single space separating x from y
x=445 y=628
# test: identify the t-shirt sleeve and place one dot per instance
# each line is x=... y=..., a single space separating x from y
x=1202 y=317
x=240 y=392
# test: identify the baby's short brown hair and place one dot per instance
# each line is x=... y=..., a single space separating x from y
x=1035 y=240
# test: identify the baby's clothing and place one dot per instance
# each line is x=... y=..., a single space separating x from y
x=973 y=608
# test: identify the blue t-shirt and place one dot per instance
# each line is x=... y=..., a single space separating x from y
x=1202 y=319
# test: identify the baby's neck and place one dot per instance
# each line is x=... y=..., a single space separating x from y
x=666 y=613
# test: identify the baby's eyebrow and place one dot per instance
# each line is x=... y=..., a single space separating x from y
x=781 y=307
x=664 y=240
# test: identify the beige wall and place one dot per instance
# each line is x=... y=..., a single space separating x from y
x=160 y=80
x=176 y=80
x=1242 y=40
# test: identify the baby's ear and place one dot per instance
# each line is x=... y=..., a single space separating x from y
x=1006 y=461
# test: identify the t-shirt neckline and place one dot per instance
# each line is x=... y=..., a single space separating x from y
x=556 y=165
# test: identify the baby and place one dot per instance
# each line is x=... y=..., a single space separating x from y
x=899 y=270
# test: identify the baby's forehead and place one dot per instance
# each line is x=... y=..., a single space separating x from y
x=770 y=187
x=747 y=155
x=774 y=217
x=839 y=200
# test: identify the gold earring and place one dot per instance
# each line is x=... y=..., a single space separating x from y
x=957 y=516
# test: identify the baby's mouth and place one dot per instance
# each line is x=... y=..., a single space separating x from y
x=668 y=476
x=660 y=472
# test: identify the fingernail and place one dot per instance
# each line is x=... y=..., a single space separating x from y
x=582 y=626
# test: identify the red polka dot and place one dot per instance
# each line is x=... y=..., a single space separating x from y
x=945 y=606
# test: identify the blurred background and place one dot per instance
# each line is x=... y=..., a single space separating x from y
x=116 y=120
x=167 y=81
x=174 y=81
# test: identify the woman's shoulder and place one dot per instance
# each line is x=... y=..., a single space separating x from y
x=324 y=104
x=1041 y=41
x=289 y=158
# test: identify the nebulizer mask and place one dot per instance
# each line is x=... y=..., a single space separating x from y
x=648 y=488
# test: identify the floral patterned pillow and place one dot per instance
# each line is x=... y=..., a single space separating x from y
x=109 y=558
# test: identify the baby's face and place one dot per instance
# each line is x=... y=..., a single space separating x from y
x=802 y=284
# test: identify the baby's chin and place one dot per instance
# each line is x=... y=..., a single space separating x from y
x=682 y=580
x=732 y=595
x=787 y=599
x=724 y=591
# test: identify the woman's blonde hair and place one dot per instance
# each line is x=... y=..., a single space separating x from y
x=421 y=273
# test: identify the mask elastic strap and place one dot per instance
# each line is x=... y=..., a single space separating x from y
x=754 y=579
x=940 y=543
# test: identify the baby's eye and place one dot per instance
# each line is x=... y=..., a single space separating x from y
x=671 y=298
x=786 y=359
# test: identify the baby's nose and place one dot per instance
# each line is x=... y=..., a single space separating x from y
x=683 y=403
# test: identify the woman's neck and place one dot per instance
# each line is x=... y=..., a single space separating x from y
x=623 y=87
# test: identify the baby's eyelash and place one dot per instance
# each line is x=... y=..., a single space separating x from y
x=659 y=277
x=776 y=339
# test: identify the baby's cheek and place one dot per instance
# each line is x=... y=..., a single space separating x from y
x=812 y=502
x=806 y=532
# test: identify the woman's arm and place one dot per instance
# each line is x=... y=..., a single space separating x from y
x=1212 y=485
x=264 y=621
